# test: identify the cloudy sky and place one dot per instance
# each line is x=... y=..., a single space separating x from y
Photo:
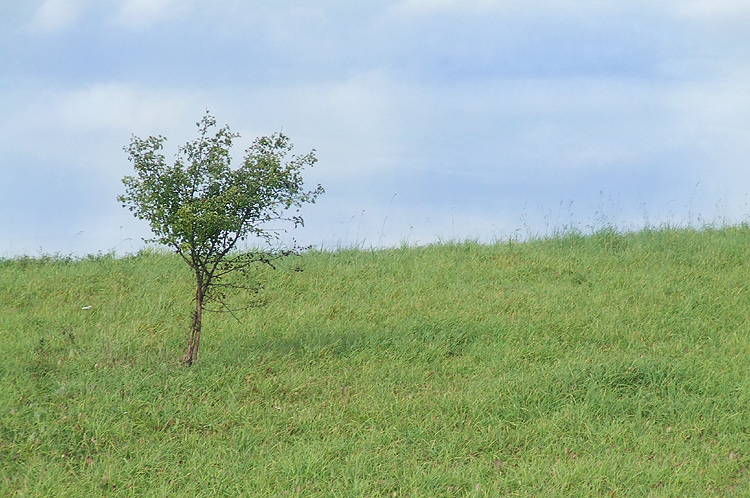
x=433 y=120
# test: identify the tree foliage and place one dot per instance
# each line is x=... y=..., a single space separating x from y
x=202 y=207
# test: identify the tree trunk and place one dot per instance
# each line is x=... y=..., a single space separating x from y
x=195 y=329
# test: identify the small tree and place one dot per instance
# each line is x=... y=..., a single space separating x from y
x=202 y=208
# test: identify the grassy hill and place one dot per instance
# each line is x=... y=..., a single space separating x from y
x=606 y=365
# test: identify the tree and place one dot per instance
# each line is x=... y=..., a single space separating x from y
x=201 y=207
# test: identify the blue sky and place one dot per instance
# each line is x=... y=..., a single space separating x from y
x=432 y=119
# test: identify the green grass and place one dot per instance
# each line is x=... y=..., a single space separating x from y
x=606 y=365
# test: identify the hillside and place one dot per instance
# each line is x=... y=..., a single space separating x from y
x=603 y=365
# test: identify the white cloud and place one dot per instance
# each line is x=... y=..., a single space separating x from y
x=54 y=16
x=702 y=9
x=354 y=122
x=425 y=5
x=505 y=8
x=118 y=106
x=142 y=13
x=83 y=129
x=429 y=6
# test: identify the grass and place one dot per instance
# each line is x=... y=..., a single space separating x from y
x=604 y=365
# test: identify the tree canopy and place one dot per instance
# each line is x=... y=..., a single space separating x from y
x=202 y=207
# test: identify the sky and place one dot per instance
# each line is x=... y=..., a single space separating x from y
x=432 y=120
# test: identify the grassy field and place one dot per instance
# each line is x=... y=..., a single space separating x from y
x=607 y=365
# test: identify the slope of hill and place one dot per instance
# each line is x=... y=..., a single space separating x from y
x=605 y=365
